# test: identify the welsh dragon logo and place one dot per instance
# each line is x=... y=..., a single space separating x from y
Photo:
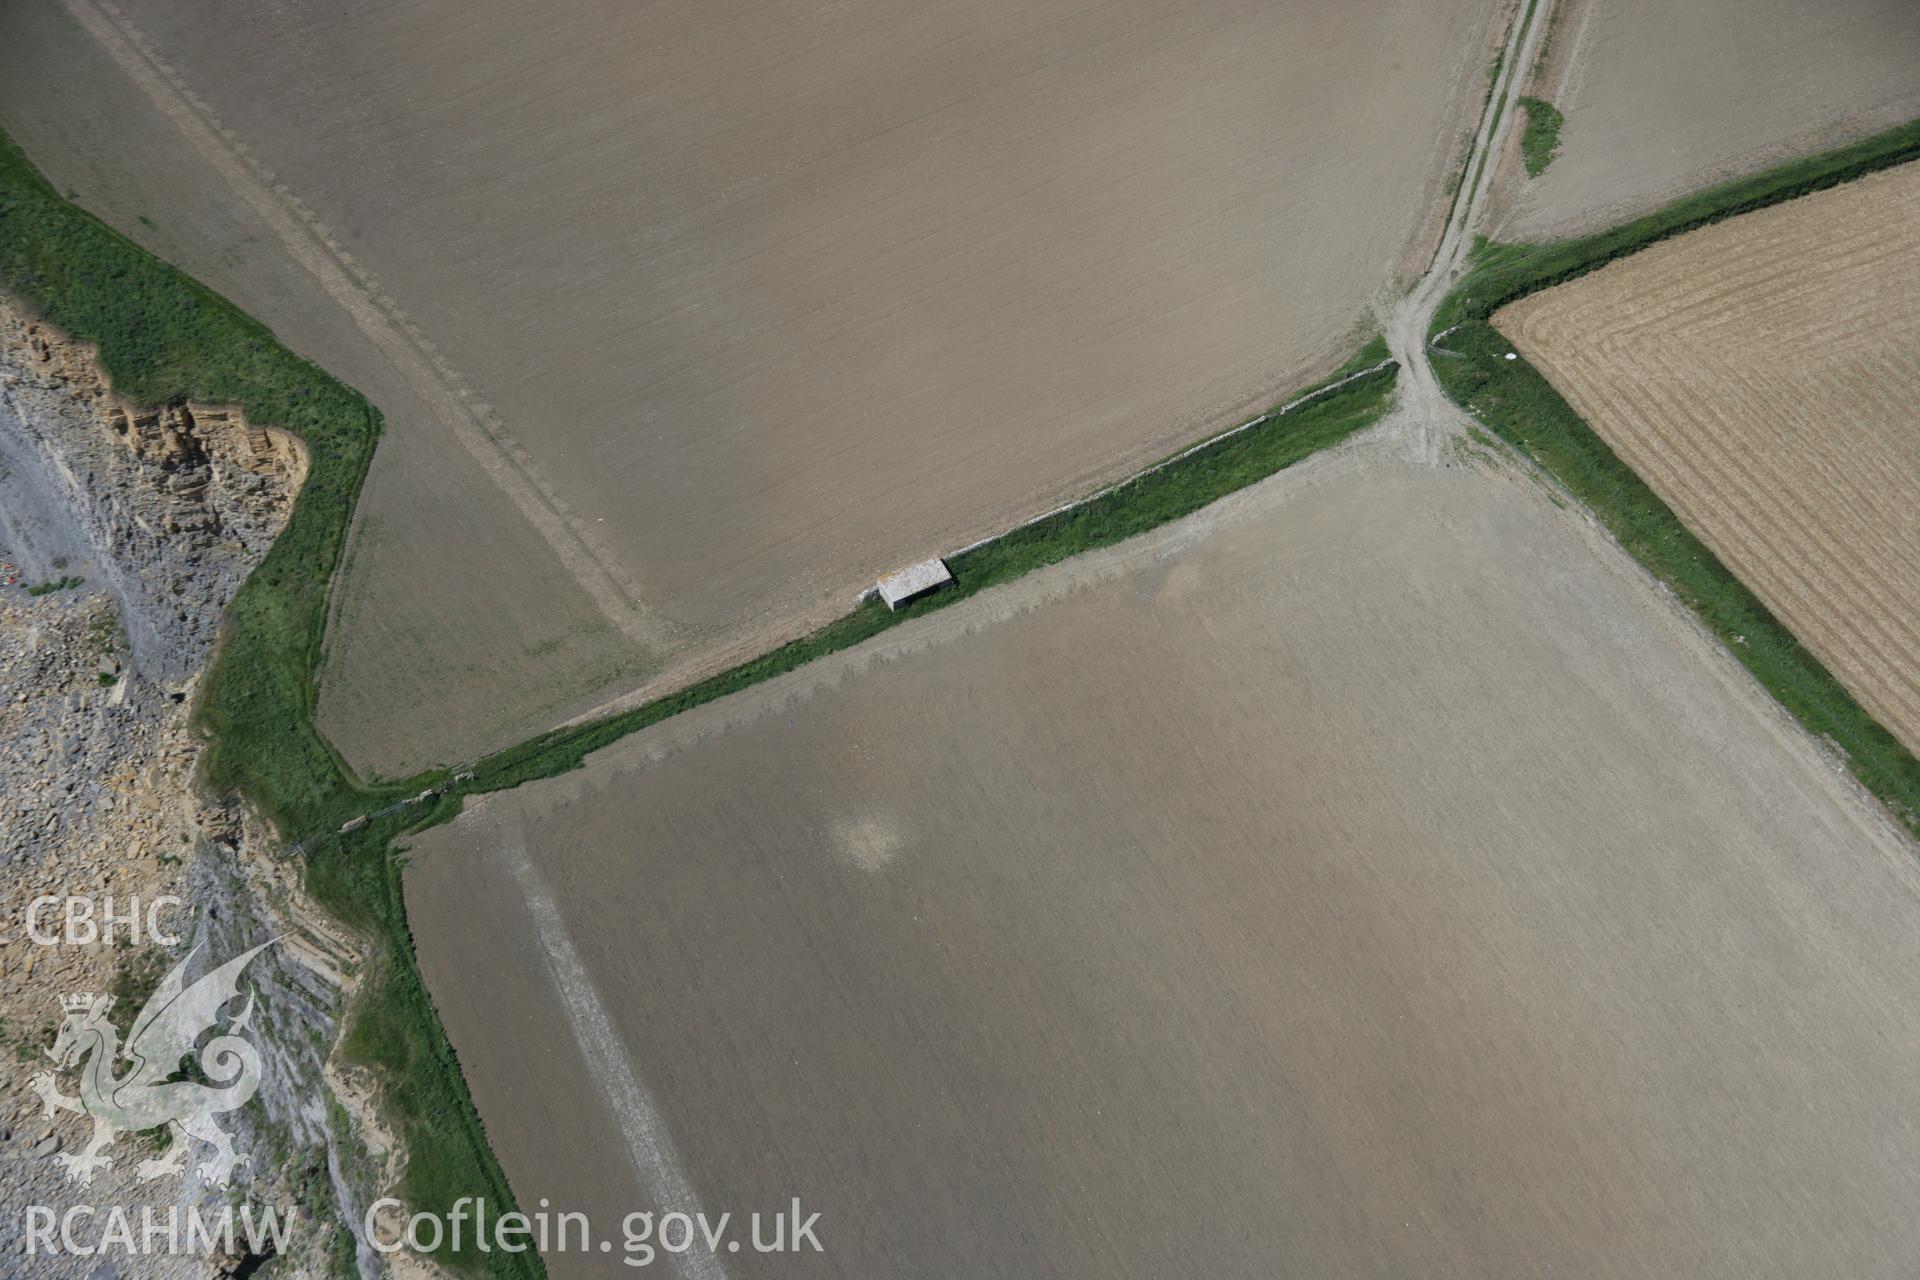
x=152 y=1092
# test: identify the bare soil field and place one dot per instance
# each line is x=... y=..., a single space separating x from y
x=1663 y=97
x=1763 y=376
x=1371 y=875
x=741 y=307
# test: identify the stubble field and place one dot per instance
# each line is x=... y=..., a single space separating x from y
x=1372 y=874
x=741 y=307
x=1763 y=376
x=1664 y=97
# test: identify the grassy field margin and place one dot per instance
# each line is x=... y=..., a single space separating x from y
x=1515 y=401
x=164 y=338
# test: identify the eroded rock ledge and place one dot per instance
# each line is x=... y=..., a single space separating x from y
x=176 y=502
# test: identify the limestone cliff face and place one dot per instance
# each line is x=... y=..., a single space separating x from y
x=163 y=511
x=177 y=502
x=170 y=437
x=100 y=803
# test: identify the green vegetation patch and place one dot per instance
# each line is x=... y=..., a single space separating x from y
x=1540 y=141
x=58 y=584
x=1522 y=407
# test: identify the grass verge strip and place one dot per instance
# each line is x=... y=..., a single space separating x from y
x=1143 y=503
x=1503 y=272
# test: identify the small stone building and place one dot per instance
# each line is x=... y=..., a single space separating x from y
x=913 y=582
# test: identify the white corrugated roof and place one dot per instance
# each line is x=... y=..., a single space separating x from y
x=912 y=580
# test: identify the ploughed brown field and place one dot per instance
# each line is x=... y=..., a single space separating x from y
x=1763 y=375
x=716 y=313
x=1663 y=97
x=1374 y=875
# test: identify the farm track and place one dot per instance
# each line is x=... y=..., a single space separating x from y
x=1422 y=399
x=1761 y=375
